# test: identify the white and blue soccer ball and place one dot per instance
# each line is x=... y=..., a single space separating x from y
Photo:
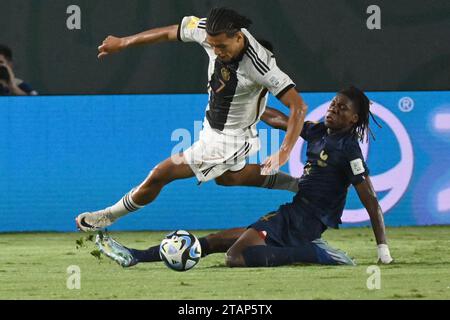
x=180 y=250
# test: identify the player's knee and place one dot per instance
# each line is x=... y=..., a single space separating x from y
x=156 y=177
x=233 y=259
x=230 y=261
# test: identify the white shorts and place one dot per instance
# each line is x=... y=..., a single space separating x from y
x=215 y=153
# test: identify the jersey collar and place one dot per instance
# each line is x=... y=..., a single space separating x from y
x=338 y=134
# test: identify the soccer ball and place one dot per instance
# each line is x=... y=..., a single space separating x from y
x=180 y=250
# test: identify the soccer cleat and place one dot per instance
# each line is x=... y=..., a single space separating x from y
x=94 y=221
x=331 y=255
x=114 y=250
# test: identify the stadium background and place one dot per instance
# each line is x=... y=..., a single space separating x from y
x=81 y=146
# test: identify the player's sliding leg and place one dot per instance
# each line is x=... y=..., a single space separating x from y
x=213 y=243
x=252 y=251
x=308 y=252
x=220 y=241
x=251 y=176
x=114 y=250
x=127 y=257
x=250 y=238
x=170 y=169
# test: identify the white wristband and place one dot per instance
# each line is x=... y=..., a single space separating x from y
x=383 y=248
x=383 y=253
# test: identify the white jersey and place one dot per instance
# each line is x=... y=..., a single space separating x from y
x=237 y=89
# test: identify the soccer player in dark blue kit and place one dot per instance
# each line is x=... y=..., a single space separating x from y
x=292 y=234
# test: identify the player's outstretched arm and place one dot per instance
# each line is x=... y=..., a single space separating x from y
x=114 y=44
x=274 y=118
x=297 y=114
x=368 y=197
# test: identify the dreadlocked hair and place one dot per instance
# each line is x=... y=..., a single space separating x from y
x=224 y=20
x=361 y=128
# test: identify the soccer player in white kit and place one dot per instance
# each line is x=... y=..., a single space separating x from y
x=241 y=72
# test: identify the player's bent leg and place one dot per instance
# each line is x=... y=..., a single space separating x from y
x=220 y=241
x=310 y=252
x=250 y=238
x=250 y=175
x=170 y=169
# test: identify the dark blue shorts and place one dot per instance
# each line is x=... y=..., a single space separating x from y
x=290 y=226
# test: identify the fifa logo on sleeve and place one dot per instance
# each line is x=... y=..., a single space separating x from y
x=393 y=182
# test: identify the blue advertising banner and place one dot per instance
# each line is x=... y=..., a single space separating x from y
x=63 y=155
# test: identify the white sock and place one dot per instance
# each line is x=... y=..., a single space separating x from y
x=124 y=206
x=281 y=181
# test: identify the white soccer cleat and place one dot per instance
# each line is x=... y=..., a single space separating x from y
x=94 y=221
x=115 y=251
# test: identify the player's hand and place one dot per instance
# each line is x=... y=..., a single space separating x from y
x=11 y=82
x=110 y=45
x=384 y=256
x=273 y=163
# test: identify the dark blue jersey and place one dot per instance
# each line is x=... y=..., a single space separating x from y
x=334 y=161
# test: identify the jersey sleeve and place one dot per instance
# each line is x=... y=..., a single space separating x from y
x=267 y=74
x=312 y=130
x=192 y=29
x=355 y=167
x=25 y=87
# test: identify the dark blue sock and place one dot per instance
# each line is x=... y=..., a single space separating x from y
x=309 y=252
x=269 y=256
x=152 y=254
x=205 y=246
x=149 y=255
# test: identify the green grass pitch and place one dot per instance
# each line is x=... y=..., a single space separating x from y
x=34 y=266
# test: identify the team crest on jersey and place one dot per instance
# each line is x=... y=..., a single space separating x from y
x=323 y=157
x=225 y=74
